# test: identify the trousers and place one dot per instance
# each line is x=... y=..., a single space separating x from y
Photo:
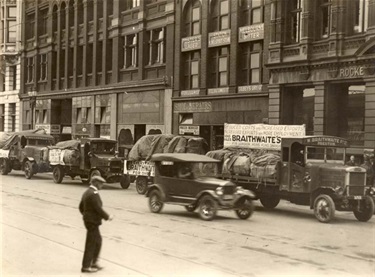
x=92 y=246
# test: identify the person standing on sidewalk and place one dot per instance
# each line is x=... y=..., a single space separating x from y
x=93 y=213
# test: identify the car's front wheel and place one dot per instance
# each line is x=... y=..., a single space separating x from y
x=154 y=201
x=29 y=170
x=141 y=185
x=207 y=207
x=365 y=210
x=324 y=208
x=245 y=208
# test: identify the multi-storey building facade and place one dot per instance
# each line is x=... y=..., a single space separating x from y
x=220 y=52
x=322 y=68
x=10 y=43
x=98 y=67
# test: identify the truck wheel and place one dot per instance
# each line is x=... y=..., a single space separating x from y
x=324 y=208
x=4 y=166
x=207 y=207
x=154 y=201
x=58 y=174
x=246 y=208
x=270 y=202
x=125 y=181
x=141 y=185
x=365 y=210
x=29 y=171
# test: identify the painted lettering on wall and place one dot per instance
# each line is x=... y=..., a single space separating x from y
x=351 y=71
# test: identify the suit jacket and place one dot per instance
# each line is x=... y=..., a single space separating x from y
x=91 y=207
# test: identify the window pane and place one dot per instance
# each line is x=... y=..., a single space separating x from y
x=194 y=68
x=196 y=15
x=12 y=12
x=256 y=16
x=224 y=7
x=224 y=51
x=255 y=76
x=196 y=29
x=224 y=22
x=256 y=3
x=254 y=60
x=194 y=81
x=223 y=79
x=223 y=64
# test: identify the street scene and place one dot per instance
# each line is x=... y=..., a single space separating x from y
x=43 y=234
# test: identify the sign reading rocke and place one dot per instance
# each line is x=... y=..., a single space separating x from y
x=351 y=71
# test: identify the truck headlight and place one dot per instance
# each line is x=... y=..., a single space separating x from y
x=219 y=191
x=339 y=190
x=239 y=189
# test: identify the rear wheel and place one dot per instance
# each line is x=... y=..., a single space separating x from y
x=324 y=208
x=141 y=185
x=154 y=201
x=365 y=210
x=245 y=208
x=270 y=202
x=125 y=181
x=4 y=166
x=207 y=207
x=29 y=171
x=58 y=174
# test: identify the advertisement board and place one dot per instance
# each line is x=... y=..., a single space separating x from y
x=260 y=136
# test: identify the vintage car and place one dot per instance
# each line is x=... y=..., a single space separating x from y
x=26 y=151
x=185 y=179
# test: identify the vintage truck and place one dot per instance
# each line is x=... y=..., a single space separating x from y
x=86 y=158
x=312 y=172
x=25 y=151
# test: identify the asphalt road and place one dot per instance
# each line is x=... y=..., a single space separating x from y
x=43 y=234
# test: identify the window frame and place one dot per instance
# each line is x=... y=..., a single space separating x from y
x=188 y=59
x=216 y=73
x=247 y=50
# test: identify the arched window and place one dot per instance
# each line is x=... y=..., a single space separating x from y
x=192 y=18
x=220 y=10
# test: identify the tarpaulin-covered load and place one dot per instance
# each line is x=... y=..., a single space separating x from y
x=257 y=163
x=148 y=145
x=8 y=139
x=70 y=151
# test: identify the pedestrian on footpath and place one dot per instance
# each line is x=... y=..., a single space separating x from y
x=93 y=213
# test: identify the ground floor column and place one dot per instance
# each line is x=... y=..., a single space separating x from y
x=319 y=108
x=370 y=113
x=274 y=104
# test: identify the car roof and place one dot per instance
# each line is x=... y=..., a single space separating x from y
x=182 y=157
x=36 y=136
x=83 y=140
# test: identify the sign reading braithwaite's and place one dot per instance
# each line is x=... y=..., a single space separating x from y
x=262 y=136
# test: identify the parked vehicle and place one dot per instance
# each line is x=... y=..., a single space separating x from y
x=139 y=168
x=25 y=151
x=312 y=172
x=186 y=179
x=86 y=158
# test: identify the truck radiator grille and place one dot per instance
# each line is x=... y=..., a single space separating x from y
x=116 y=167
x=356 y=183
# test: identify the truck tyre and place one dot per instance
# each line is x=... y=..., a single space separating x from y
x=324 y=208
x=207 y=207
x=125 y=181
x=4 y=166
x=154 y=201
x=58 y=174
x=29 y=169
x=245 y=208
x=270 y=202
x=366 y=210
x=141 y=185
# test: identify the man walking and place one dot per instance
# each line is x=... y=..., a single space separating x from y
x=93 y=213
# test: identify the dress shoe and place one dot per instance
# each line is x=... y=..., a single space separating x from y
x=89 y=269
x=96 y=266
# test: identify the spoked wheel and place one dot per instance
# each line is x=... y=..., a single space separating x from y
x=365 y=210
x=58 y=174
x=4 y=166
x=154 y=201
x=141 y=185
x=324 y=208
x=190 y=208
x=245 y=208
x=29 y=171
x=207 y=207
x=125 y=181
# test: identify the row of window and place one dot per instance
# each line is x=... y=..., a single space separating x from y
x=8 y=24
x=12 y=114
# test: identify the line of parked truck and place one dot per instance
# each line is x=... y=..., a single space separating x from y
x=276 y=163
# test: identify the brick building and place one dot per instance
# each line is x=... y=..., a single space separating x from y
x=98 y=68
x=10 y=43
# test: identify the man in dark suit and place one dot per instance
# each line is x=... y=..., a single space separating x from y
x=93 y=213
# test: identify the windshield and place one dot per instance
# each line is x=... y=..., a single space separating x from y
x=103 y=147
x=328 y=155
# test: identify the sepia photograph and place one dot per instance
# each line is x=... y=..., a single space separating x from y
x=192 y=138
